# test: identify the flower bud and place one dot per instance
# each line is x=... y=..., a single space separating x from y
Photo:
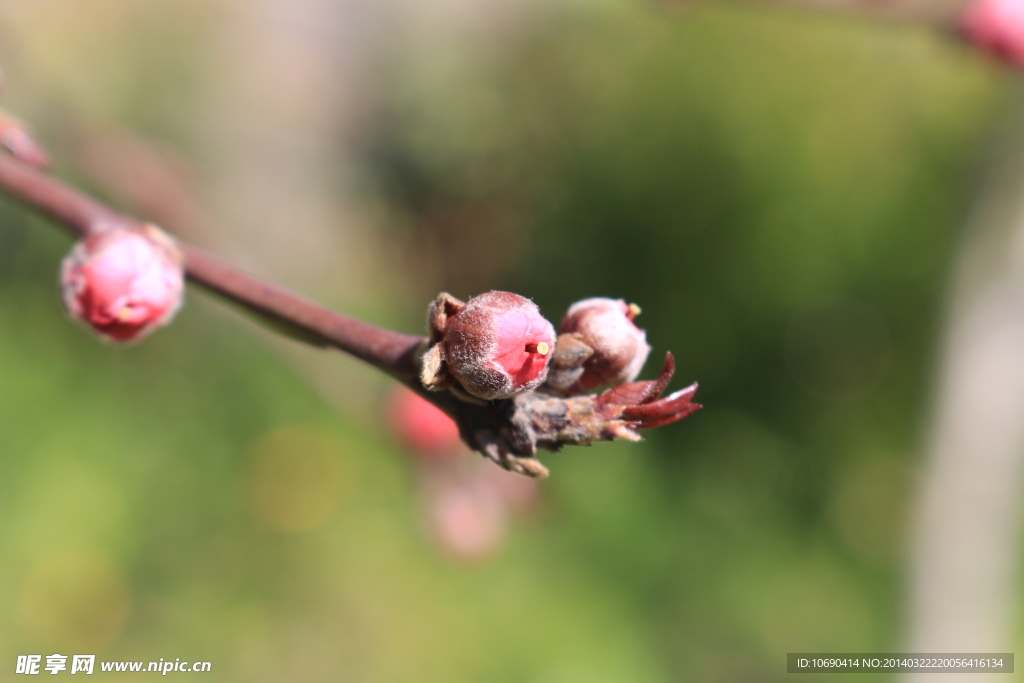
x=997 y=27
x=423 y=427
x=123 y=283
x=496 y=345
x=619 y=348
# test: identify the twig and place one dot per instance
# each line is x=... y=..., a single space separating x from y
x=508 y=431
x=387 y=350
x=939 y=14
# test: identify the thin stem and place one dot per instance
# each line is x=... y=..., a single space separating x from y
x=508 y=431
x=938 y=14
x=296 y=316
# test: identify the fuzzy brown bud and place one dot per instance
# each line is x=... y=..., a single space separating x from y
x=495 y=345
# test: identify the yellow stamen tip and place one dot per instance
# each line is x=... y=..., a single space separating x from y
x=543 y=348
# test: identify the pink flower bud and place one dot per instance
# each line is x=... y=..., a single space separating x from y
x=498 y=345
x=423 y=427
x=997 y=27
x=619 y=347
x=123 y=283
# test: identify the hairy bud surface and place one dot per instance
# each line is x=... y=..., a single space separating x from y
x=495 y=345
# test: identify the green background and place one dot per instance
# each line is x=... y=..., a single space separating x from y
x=781 y=193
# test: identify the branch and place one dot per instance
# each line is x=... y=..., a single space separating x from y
x=508 y=431
x=392 y=352
x=940 y=14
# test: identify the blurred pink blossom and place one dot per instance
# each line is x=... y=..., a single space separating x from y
x=422 y=427
x=997 y=27
x=466 y=520
x=123 y=283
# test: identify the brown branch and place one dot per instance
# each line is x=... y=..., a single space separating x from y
x=508 y=431
x=294 y=315
x=937 y=14
x=940 y=14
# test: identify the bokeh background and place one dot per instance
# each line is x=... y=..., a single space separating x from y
x=782 y=193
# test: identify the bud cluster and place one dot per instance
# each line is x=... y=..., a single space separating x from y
x=497 y=345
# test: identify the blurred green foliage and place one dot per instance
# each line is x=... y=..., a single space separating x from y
x=780 y=193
